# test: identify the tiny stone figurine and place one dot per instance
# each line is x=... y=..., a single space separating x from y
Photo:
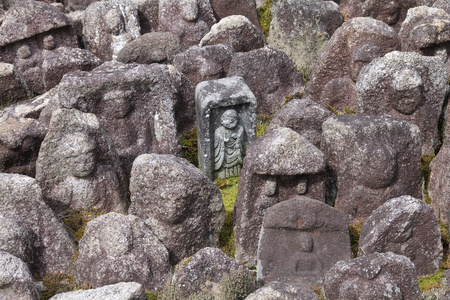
x=226 y=118
x=228 y=145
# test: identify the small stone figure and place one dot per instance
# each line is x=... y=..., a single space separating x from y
x=228 y=145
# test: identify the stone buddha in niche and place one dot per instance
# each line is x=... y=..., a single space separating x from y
x=228 y=146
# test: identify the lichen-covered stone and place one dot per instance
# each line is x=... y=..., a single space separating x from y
x=121 y=290
x=373 y=277
x=270 y=74
x=278 y=166
x=142 y=108
x=17 y=239
x=304 y=116
x=236 y=31
x=26 y=19
x=352 y=46
x=189 y=19
x=78 y=167
x=278 y=290
x=20 y=140
x=426 y=30
x=372 y=159
x=63 y=60
x=408 y=86
x=439 y=184
x=302 y=29
x=405 y=226
x=390 y=12
x=226 y=118
x=108 y=26
x=21 y=198
x=182 y=206
x=300 y=240
x=153 y=47
x=11 y=89
x=16 y=281
x=204 y=63
x=117 y=248
x=209 y=270
x=225 y=8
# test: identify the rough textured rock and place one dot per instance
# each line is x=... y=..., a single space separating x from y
x=74 y=5
x=17 y=239
x=278 y=290
x=226 y=117
x=377 y=276
x=390 y=12
x=122 y=291
x=439 y=183
x=405 y=226
x=204 y=63
x=21 y=198
x=236 y=31
x=141 y=107
x=148 y=11
x=17 y=24
x=78 y=167
x=108 y=26
x=408 y=86
x=352 y=46
x=270 y=74
x=300 y=240
x=11 y=89
x=23 y=39
x=426 y=30
x=20 y=140
x=63 y=60
x=189 y=19
x=154 y=47
x=442 y=4
x=182 y=206
x=304 y=116
x=280 y=165
x=207 y=271
x=302 y=29
x=225 y=8
x=16 y=281
x=117 y=248
x=371 y=159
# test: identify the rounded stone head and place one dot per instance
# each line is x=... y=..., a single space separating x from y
x=406 y=89
x=361 y=56
x=229 y=119
x=79 y=154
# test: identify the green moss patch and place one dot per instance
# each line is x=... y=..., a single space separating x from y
x=429 y=282
x=229 y=189
x=262 y=122
x=56 y=284
x=77 y=220
x=265 y=17
x=189 y=147
x=355 y=232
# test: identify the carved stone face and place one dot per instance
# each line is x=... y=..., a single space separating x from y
x=406 y=89
x=117 y=103
x=79 y=152
x=24 y=51
x=229 y=119
x=360 y=57
x=49 y=42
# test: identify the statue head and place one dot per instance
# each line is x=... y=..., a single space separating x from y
x=117 y=103
x=79 y=154
x=406 y=90
x=24 y=51
x=229 y=119
x=360 y=57
x=49 y=42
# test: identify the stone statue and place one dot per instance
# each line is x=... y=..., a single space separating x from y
x=228 y=146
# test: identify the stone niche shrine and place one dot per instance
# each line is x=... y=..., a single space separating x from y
x=226 y=118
